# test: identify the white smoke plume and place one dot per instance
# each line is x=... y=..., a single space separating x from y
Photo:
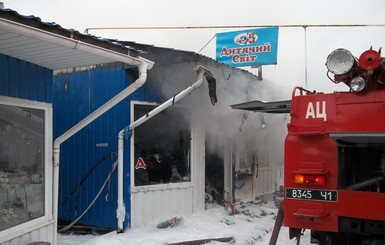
x=233 y=86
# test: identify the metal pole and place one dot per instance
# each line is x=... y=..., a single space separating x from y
x=305 y=56
x=277 y=225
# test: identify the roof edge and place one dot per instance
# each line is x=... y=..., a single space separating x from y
x=70 y=42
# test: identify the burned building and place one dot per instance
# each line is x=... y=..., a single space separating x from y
x=182 y=150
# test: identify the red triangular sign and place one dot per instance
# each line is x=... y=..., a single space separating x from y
x=140 y=164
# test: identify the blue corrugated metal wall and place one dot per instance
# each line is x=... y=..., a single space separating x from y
x=76 y=95
x=21 y=79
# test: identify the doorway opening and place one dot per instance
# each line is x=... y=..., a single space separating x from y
x=214 y=179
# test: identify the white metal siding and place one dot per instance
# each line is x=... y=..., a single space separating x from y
x=198 y=172
x=45 y=234
x=264 y=182
x=228 y=173
x=152 y=205
x=256 y=186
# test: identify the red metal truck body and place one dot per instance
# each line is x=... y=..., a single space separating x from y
x=334 y=164
x=318 y=123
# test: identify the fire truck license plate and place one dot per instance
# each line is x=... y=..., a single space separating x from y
x=306 y=194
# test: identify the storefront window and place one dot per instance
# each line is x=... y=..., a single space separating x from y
x=161 y=147
x=21 y=165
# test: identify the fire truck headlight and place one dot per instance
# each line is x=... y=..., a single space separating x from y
x=357 y=84
x=340 y=61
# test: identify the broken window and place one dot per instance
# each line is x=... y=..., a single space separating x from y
x=21 y=165
x=161 y=146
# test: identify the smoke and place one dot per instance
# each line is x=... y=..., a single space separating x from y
x=221 y=122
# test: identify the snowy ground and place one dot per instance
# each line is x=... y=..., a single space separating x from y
x=252 y=224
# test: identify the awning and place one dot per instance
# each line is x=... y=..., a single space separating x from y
x=51 y=46
x=283 y=106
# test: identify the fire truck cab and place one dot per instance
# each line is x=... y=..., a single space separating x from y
x=334 y=160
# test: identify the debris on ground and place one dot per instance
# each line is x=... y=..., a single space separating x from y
x=169 y=223
x=203 y=241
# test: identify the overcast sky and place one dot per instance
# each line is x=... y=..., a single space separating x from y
x=297 y=65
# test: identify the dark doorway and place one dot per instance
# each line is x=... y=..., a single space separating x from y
x=214 y=177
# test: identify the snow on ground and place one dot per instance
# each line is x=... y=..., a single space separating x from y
x=252 y=224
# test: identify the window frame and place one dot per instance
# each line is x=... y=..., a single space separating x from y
x=154 y=187
x=47 y=218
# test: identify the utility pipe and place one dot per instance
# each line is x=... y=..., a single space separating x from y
x=71 y=43
x=121 y=210
x=201 y=70
x=143 y=67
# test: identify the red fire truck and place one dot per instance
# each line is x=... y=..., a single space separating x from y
x=334 y=157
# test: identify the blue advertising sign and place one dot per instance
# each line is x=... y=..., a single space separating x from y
x=248 y=47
